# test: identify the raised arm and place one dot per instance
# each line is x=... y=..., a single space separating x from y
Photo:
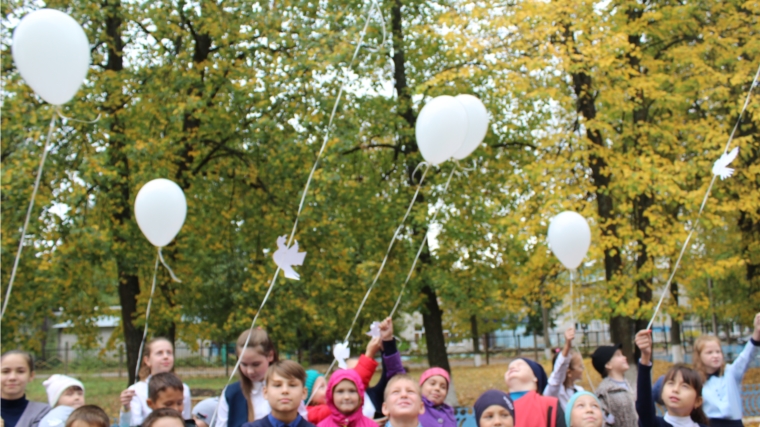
x=644 y=403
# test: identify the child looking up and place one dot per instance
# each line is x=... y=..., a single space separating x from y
x=434 y=384
x=681 y=392
x=403 y=402
x=722 y=387
x=526 y=379
x=65 y=394
x=16 y=371
x=284 y=389
x=494 y=408
x=568 y=368
x=584 y=410
x=345 y=398
x=615 y=393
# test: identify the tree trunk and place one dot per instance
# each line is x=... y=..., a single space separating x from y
x=712 y=307
x=475 y=336
x=676 y=346
x=432 y=319
x=121 y=210
x=547 y=338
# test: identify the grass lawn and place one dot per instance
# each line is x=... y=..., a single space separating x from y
x=470 y=382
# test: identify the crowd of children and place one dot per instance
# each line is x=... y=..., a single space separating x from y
x=280 y=393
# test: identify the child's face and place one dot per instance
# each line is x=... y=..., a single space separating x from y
x=14 y=376
x=161 y=357
x=319 y=390
x=403 y=400
x=284 y=394
x=712 y=356
x=519 y=375
x=680 y=398
x=435 y=389
x=575 y=371
x=72 y=396
x=586 y=412
x=618 y=363
x=254 y=365
x=496 y=416
x=169 y=398
x=346 y=397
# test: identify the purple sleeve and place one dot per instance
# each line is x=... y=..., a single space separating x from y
x=392 y=359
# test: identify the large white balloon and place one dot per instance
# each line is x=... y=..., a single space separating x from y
x=51 y=51
x=477 y=117
x=569 y=238
x=441 y=129
x=160 y=210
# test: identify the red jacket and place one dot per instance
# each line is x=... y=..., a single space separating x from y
x=365 y=368
x=534 y=410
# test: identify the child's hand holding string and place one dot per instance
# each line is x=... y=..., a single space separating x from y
x=756 y=335
x=644 y=343
x=386 y=329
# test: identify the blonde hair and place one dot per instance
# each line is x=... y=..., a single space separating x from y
x=260 y=342
x=90 y=414
x=144 y=368
x=699 y=347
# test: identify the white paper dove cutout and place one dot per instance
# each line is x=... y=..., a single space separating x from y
x=721 y=168
x=374 y=330
x=342 y=353
x=286 y=257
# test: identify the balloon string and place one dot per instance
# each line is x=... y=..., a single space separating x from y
x=147 y=316
x=28 y=214
x=422 y=245
x=704 y=202
x=326 y=138
x=390 y=246
x=171 y=273
x=572 y=320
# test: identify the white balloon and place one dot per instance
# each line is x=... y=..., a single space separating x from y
x=441 y=129
x=51 y=51
x=160 y=210
x=569 y=238
x=477 y=117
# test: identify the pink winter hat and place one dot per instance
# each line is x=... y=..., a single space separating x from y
x=433 y=372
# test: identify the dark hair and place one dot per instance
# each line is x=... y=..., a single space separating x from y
x=259 y=341
x=161 y=413
x=400 y=377
x=90 y=414
x=162 y=382
x=694 y=379
x=287 y=369
x=22 y=353
x=144 y=369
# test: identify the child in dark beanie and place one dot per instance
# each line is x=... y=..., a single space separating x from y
x=494 y=408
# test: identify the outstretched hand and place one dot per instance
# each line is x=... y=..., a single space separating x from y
x=126 y=399
x=569 y=337
x=386 y=329
x=644 y=343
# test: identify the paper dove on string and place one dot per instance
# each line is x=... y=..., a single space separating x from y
x=721 y=168
x=374 y=330
x=342 y=353
x=286 y=257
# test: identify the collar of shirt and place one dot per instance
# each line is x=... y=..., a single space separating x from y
x=277 y=423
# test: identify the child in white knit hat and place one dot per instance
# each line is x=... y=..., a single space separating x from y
x=64 y=395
